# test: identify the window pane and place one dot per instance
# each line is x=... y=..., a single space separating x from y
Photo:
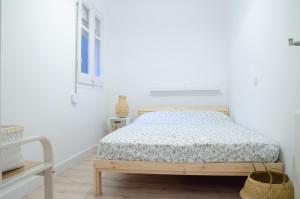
x=85 y=17
x=97 y=58
x=97 y=27
x=84 y=51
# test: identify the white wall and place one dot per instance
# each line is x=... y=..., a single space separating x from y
x=37 y=77
x=169 y=43
x=259 y=40
x=0 y=56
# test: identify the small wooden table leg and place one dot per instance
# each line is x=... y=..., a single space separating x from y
x=98 y=182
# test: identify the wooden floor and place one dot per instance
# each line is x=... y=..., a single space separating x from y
x=77 y=183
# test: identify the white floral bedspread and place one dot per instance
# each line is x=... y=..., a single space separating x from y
x=189 y=137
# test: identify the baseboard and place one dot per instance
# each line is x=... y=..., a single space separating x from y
x=69 y=162
x=29 y=185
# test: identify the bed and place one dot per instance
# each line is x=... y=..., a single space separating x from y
x=184 y=141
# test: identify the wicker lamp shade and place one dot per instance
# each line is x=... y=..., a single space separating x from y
x=122 y=107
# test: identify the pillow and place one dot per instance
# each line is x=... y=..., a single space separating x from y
x=181 y=117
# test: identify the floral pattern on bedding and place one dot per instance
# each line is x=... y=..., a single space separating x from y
x=189 y=137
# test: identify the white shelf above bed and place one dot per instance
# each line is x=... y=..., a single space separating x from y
x=185 y=91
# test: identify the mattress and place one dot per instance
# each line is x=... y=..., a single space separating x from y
x=187 y=137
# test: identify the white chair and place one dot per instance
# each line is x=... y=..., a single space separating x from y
x=297 y=157
x=44 y=168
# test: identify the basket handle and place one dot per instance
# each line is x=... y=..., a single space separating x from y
x=284 y=180
x=268 y=172
x=253 y=165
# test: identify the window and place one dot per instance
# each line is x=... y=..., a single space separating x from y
x=85 y=17
x=84 y=52
x=89 y=46
x=97 y=49
x=97 y=58
x=97 y=27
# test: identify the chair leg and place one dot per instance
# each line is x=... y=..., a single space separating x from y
x=98 y=182
x=48 y=182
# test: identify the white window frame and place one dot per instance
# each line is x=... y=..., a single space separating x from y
x=90 y=78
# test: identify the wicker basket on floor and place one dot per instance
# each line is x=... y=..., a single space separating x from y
x=10 y=158
x=267 y=185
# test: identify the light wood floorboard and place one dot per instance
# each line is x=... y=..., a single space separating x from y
x=78 y=183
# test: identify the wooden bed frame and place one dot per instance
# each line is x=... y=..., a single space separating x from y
x=203 y=169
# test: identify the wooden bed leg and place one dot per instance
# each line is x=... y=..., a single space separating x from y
x=98 y=182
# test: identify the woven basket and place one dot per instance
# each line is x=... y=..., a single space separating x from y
x=10 y=158
x=10 y=133
x=267 y=185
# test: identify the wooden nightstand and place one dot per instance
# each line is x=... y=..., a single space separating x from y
x=117 y=122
